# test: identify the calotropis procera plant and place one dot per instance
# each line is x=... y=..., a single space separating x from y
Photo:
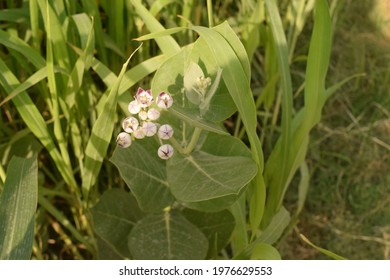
x=215 y=194
x=184 y=198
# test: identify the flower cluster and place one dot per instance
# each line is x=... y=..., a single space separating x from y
x=145 y=125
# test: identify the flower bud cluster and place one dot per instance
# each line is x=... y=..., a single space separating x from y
x=142 y=122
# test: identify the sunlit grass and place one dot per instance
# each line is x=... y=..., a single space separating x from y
x=348 y=202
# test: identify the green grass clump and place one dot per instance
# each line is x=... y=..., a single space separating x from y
x=348 y=210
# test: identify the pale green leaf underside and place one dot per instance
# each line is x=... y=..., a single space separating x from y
x=217 y=227
x=144 y=173
x=167 y=236
x=202 y=176
x=114 y=216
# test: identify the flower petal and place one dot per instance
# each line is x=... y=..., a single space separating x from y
x=165 y=151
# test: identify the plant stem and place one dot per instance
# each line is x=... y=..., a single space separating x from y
x=194 y=139
x=210 y=13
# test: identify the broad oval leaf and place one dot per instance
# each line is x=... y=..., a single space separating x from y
x=113 y=218
x=145 y=174
x=167 y=236
x=214 y=205
x=217 y=227
x=203 y=176
x=218 y=171
x=264 y=251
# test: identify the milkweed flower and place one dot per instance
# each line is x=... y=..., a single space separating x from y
x=165 y=132
x=165 y=151
x=164 y=100
x=123 y=140
x=153 y=114
x=149 y=128
x=130 y=124
x=134 y=107
x=144 y=97
x=142 y=122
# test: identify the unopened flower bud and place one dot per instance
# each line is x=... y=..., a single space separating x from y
x=123 y=140
x=165 y=132
x=149 y=128
x=153 y=114
x=143 y=115
x=134 y=107
x=165 y=151
x=130 y=124
x=139 y=133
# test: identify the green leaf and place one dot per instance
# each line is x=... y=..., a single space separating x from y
x=75 y=81
x=18 y=204
x=276 y=228
x=55 y=31
x=34 y=120
x=217 y=227
x=221 y=168
x=101 y=135
x=176 y=74
x=264 y=251
x=322 y=250
x=113 y=218
x=281 y=49
x=270 y=235
x=15 y=43
x=14 y=15
x=191 y=75
x=145 y=174
x=230 y=55
x=29 y=82
x=195 y=120
x=167 y=44
x=304 y=120
x=167 y=236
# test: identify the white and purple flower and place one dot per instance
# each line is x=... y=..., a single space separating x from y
x=142 y=122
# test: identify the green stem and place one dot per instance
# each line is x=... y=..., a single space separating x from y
x=210 y=13
x=194 y=139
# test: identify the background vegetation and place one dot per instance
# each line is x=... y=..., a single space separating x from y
x=348 y=205
x=347 y=208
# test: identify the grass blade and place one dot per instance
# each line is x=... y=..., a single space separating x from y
x=35 y=122
x=275 y=187
x=306 y=118
x=18 y=204
x=22 y=47
x=31 y=81
x=101 y=136
x=322 y=250
x=167 y=44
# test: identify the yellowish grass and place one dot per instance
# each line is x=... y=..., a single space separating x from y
x=381 y=16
